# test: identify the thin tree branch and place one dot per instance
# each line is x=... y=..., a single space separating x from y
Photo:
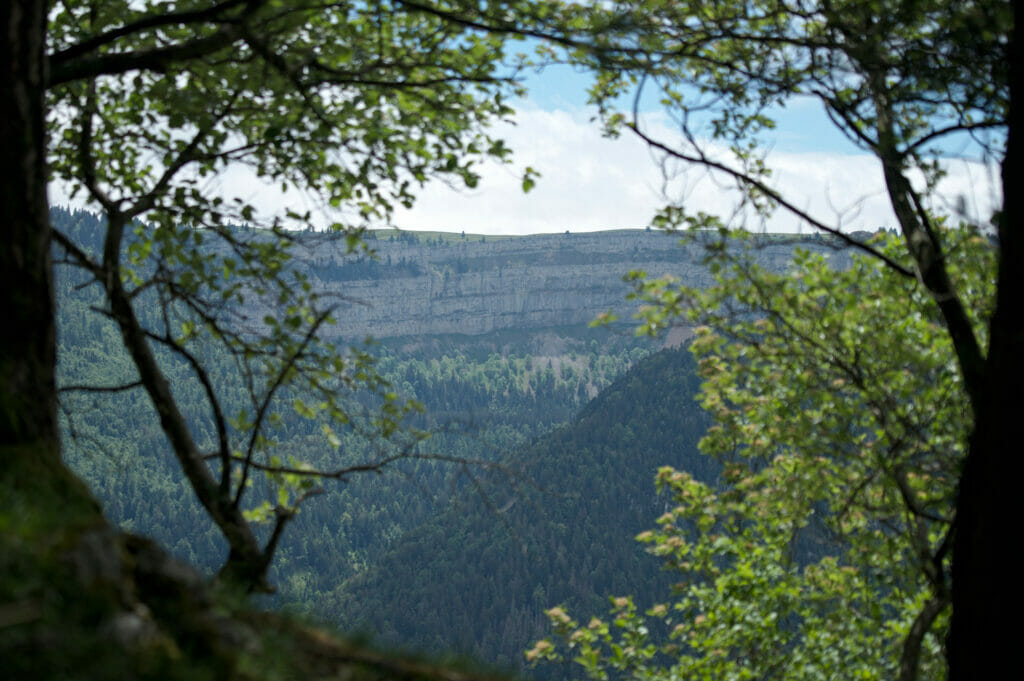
x=244 y=552
x=158 y=59
x=220 y=422
x=376 y=466
x=85 y=157
x=82 y=258
x=99 y=388
x=911 y=654
x=773 y=195
x=279 y=381
x=183 y=158
x=948 y=130
x=922 y=243
x=281 y=518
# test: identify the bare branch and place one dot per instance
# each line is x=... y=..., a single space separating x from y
x=773 y=195
x=909 y=500
x=951 y=129
x=220 y=422
x=85 y=157
x=82 y=259
x=159 y=59
x=279 y=380
x=281 y=518
x=922 y=243
x=100 y=388
x=244 y=549
x=183 y=158
x=911 y=653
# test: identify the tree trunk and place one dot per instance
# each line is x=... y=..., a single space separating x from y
x=30 y=467
x=27 y=341
x=986 y=580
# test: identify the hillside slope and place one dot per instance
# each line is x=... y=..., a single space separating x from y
x=478 y=577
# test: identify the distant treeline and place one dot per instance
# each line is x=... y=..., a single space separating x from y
x=366 y=269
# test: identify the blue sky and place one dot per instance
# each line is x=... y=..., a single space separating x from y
x=803 y=127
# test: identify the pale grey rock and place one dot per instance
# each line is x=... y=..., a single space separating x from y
x=477 y=287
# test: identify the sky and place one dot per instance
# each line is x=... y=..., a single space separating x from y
x=592 y=183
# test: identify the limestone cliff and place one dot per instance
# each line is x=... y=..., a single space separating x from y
x=418 y=285
x=427 y=285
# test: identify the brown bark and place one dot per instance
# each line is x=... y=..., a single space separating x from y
x=986 y=583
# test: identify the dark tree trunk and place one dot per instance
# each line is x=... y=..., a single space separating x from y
x=986 y=579
x=27 y=341
x=29 y=439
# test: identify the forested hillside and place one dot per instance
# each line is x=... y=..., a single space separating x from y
x=433 y=555
x=481 y=397
x=478 y=578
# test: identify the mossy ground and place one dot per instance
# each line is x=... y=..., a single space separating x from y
x=82 y=600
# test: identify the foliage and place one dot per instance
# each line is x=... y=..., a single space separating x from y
x=905 y=83
x=899 y=82
x=256 y=82
x=842 y=423
x=356 y=104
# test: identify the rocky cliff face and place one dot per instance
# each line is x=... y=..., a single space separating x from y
x=420 y=286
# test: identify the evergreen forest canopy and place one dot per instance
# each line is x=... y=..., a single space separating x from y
x=136 y=105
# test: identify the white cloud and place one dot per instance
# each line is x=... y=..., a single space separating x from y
x=587 y=183
x=590 y=183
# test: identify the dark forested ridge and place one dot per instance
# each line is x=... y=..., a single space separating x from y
x=478 y=577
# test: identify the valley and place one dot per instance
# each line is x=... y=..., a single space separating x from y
x=564 y=424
